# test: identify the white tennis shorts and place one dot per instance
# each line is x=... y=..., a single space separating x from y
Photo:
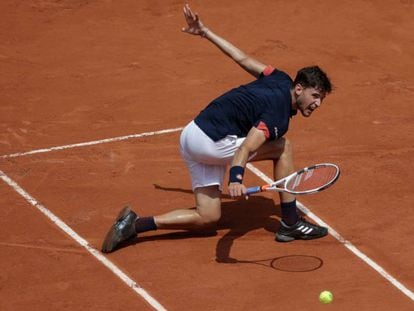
x=207 y=160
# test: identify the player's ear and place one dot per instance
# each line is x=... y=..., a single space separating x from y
x=299 y=89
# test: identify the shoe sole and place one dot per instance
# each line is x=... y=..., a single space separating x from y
x=286 y=238
x=113 y=237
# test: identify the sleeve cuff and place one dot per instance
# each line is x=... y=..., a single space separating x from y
x=268 y=70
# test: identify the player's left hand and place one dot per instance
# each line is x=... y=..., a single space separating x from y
x=195 y=26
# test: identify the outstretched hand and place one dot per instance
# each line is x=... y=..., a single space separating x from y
x=195 y=26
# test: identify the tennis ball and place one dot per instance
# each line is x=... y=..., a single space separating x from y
x=325 y=297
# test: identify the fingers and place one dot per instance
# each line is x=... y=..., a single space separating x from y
x=190 y=17
x=237 y=190
x=188 y=14
x=193 y=21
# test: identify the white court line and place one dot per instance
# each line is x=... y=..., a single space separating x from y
x=260 y=174
x=90 y=143
x=341 y=239
x=97 y=254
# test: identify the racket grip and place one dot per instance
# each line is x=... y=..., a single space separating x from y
x=252 y=190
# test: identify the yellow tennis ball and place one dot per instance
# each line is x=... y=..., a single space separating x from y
x=325 y=297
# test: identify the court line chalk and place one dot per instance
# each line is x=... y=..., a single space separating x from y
x=341 y=239
x=97 y=254
x=251 y=167
x=91 y=143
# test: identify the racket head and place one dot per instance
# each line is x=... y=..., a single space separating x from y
x=312 y=179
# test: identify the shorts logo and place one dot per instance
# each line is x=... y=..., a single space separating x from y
x=276 y=132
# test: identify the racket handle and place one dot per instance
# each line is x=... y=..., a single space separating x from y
x=252 y=190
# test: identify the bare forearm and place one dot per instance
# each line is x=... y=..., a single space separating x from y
x=249 y=64
x=240 y=157
x=196 y=27
x=229 y=49
x=254 y=140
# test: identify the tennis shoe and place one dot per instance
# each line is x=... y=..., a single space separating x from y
x=122 y=230
x=302 y=230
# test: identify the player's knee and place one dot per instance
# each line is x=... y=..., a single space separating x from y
x=208 y=205
x=287 y=148
x=209 y=219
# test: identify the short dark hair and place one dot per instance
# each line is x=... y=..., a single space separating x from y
x=313 y=76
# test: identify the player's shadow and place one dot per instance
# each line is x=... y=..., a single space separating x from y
x=159 y=187
x=238 y=217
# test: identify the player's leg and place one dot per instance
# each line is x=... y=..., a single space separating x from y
x=128 y=224
x=203 y=160
x=280 y=152
x=207 y=211
x=292 y=226
x=196 y=148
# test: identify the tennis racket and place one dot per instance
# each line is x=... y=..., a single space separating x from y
x=308 y=180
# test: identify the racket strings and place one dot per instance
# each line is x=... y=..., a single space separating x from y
x=311 y=179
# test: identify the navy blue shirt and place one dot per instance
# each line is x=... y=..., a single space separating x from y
x=264 y=103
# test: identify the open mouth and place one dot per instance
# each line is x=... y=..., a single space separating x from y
x=309 y=111
x=311 y=108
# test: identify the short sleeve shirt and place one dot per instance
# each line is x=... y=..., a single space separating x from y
x=264 y=103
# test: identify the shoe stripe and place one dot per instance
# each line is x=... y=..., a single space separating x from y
x=305 y=230
x=308 y=231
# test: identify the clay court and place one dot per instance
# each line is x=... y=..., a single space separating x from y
x=93 y=97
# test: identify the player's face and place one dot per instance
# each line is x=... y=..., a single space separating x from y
x=308 y=99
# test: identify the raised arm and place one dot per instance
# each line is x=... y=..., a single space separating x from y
x=196 y=27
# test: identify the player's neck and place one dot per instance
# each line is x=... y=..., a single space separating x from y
x=294 y=101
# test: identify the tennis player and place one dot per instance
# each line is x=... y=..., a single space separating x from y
x=245 y=124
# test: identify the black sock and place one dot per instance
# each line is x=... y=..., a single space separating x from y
x=145 y=224
x=289 y=213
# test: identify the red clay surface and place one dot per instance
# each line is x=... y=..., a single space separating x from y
x=76 y=71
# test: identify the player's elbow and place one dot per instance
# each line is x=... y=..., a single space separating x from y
x=248 y=64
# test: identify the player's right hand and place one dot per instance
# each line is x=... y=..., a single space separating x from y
x=237 y=190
